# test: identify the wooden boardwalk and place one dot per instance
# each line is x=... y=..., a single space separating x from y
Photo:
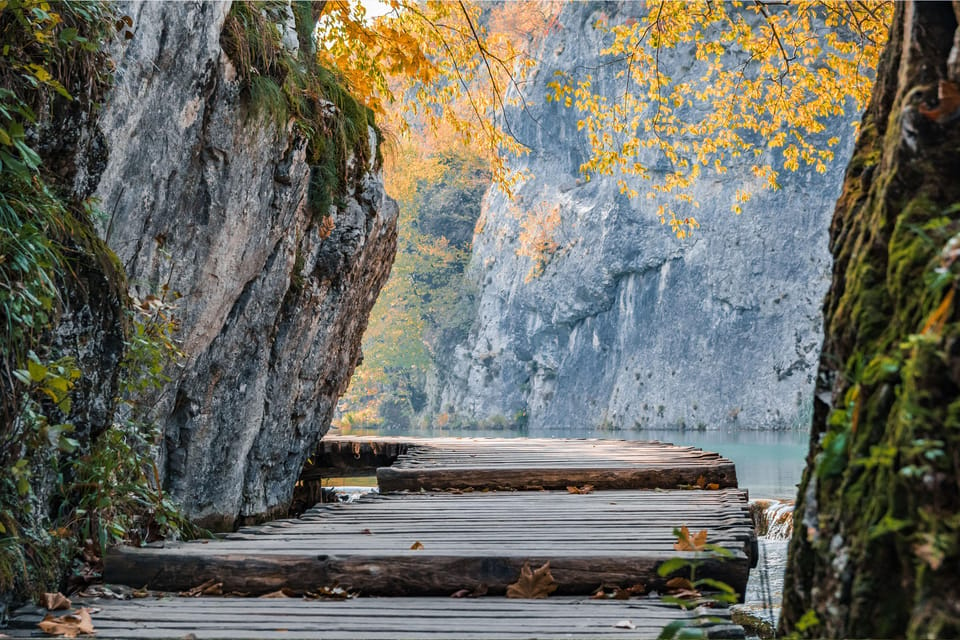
x=450 y=519
x=533 y=463
x=467 y=539
x=387 y=618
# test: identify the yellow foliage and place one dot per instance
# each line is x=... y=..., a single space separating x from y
x=802 y=62
x=434 y=63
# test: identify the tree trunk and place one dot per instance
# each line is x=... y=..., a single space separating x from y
x=876 y=546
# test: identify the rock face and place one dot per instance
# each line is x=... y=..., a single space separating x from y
x=206 y=200
x=628 y=327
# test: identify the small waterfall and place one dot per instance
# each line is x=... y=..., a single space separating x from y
x=772 y=519
x=773 y=522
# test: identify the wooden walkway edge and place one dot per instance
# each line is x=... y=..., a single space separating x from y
x=436 y=544
x=530 y=463
x=387 y=618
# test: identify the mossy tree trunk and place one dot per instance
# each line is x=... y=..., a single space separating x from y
x=876 y=546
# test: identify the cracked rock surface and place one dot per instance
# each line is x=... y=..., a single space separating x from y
x=627 y=326
x=207 y=198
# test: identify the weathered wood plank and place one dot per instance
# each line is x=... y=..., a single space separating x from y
x=467 y=540
x=374 y=618
x=395 y=575
x=448 y=463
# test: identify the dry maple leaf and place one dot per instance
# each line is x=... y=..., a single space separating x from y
x=587 y=488
x=701 y=481
x=55 y=601
x=713 y=486
x=416 y=546
x=533 y=584
x=686 y=543
x=69 y=626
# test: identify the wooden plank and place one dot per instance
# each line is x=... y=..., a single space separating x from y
x=467 y=540
x=446 y=463
x=395 y=574
x=375 y=618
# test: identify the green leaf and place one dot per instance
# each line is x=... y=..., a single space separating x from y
x=68 y=35
x=670 y=631
x=673 y=564
x=5 y=137
x=715 y=584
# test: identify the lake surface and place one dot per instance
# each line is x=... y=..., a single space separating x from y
x=769 y=463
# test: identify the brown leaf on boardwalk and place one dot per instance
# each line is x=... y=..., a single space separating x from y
x=281 y=593
x=533 y=584
x=209 y=588
x=55 y=601
x=68 y=626
x=687 y=543
x=367 y=532
x=713 y=486
x=615 y=592
x=587 y=488
x=701 y=481
x=681 y=588
x=331 y=593
x=416 y=546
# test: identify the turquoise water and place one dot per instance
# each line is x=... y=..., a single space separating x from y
x=769 y=463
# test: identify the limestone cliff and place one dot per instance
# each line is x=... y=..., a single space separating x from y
x=206 y=199
x=628 y=327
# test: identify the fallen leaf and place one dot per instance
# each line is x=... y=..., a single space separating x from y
x=587 y=488
x=533 y=584
x=462 y=593
x=367 y=532
x=281 y=593
x=69 y=626
x=416 y=546
x=140 y=593
x=611 y=592
x=682 y=588
x=625 y=624
x=701 y=482
x=686 y=543
x=713 y=486
x=209 y=588
x=55 y=601
x=679 y=583
x=330 y=593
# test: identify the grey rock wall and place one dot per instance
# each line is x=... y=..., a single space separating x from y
x=629 y=327
x=207 y=199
